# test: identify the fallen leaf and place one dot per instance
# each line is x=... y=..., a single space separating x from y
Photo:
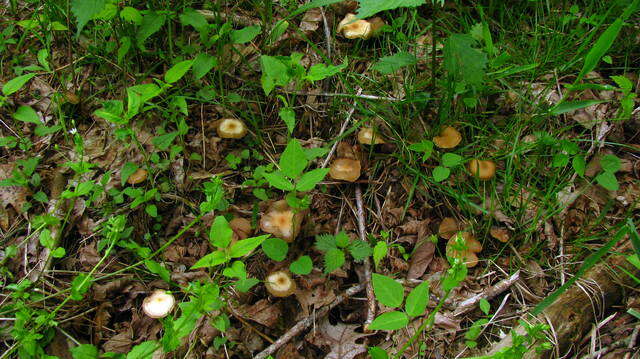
x=262 y=312
x=420 y=259
x=341 y=338
x=119 y=343
x=16 y=196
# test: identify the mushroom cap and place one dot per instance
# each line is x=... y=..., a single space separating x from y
x=345 y=169
x=353 y=28
x=158 y=304
x=469 y=255
x=366 y=136
x=500 y=234
x=448 y=227
x=280 y=284
x=281 y=221
x=482 y=169
x=139 y=176
x=449 y=137
x=231 y=128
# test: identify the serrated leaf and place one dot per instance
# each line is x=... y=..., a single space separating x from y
x=275 y=248
x=302 y=266
x=278 y=180
x=333 y=259
x=244 y=247
x=220 y=233
x=342 y=239
x=325 y=242
x=360 y=250
x=387 y=290
x=84 y=10
x=163 y=142
x=371 y=7
x=390 y=321
x=608 y=180
x=395 y=62
x=293 y=159
x=464 y=62
x=417 y=300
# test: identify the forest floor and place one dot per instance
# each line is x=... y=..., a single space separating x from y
x=490 y=211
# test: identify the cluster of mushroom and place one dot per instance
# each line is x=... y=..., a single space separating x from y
x=449 y=138
x=450 y=230
x=347 y=166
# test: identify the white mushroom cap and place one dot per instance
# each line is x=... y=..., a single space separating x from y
x=158 y=304
x=231 y=128
x=280 y=284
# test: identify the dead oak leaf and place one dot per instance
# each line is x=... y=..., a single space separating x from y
x=16 y=196
x=262 y=312
x=341 y=338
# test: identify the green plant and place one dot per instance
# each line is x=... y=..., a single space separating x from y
x=336 y=247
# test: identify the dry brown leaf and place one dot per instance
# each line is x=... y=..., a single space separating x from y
x=262 y=312
x=341 y=338
x=119 y=343
x=311 y=21
x=16 y=196
x=501 y=234
x=314 y=298
x=420 y=259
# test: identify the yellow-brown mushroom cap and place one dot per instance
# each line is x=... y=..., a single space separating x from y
x=139 y=176
x=231 y=128
x=282 y=221
x=469 y=255
x=280 y=284
x=366 y=136
x=345 y=169
x=482 y=169
x=353 y=28
x=448 y=227
x=449 y=137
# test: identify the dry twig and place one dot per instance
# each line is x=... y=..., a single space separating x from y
x=371 y=300
x=342 y=129
x=469 y=304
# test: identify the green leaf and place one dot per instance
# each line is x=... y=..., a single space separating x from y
x=220 y=233
x=288 y=116
x=128 y=169
x=484 y=305
x=634 y=236
x=608 y=180
x=84 y=10
x=342 y=239
x=15 y=84
x=151 y=210
x=371 y=7
x=319 y=72
x=278 y=180
x=379 y=252
x=131 y=14
x=202 y=64
x=27 y=114
x=333 y=259
x=178 y=70
x=610 y=163
x=441 y=173
x=360 y=250
x=424 y=146
x=387 y=290
x=579 y=165
x=112 y=111
x=210 y=260
x=58 y=252
x=600 y=48
x=156 y=268
x=390 y=321
x=564 y=107
x=395 y=62
x=244 y=285
x=79 y=286
x=244 y=35
x=246 y=246
x=451 y=159
x=302 y=266
x=236 y=270
x=325 y=242
x=311 y=5
x=275 y=248
x=378 y=353
x=151 y=23
x=417 y=300
x=464 y=62
x=293 y=160
x=84 y=351
x=195 y=19
x=144 y=350
x=274 y=72
x=163 y=142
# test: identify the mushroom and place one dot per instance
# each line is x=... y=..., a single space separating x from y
x=241 y=228
x=448 y=227
x=137 y=177
x=231 y=128
x=345 y=169
x=468 y=255
x=158 y=304
x=353 y=28
x=449 y=138
x=366 y=136
x=280 y=284
x=500 y=234
x=281 y=221
x=482 y=169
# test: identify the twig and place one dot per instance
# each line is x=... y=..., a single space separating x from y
x=327 y=32
x=342 y=129
x=358 y=95
x=306 y=322
x=632 y=341
x=371 y=300
x=469 y=304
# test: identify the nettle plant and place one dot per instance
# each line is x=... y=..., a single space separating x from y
x=335 y=248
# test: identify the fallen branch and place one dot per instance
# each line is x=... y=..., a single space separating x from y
x=469 y=304
x=371 y=299
x=306 y=322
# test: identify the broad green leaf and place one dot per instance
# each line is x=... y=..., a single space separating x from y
x=319 y=72
x=371 y=7
x=112 y=111
x=379 y=252
x=600 y=48
x=15 y=84
x=451 y=159
x=390 y=321
x=178 y=70
x=333 y=259
x=275 y=248
x=202 y=64
x=144 y=350
x=310 y=179
x=288 y=116
x=244 y=285
x=387 y=290
x=293 y=160
x=220 y=233
x=79 y=286
x=210 y=260
x=84 y=351
x=156 y=268
x=464 y=62
x=441 y=173
x=395 y=62
x=565 y=107
x=378 y=353
x=302 y=266
x=278 y=180
x=195 y=19
x=151 y=210
x=311 y=5
x=125 y=46
x=610 y=163
x=236 y=270
x=152 y=22
x=417 y=300
x=131 y=14
x=608 y=180
x=84 y=10
x=244 y=35
x=579 y=165
x=127 y=170
x=485 y=306
x=246 y=246
x=27 y=114
x=274 y=72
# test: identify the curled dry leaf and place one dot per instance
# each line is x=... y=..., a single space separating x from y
x=500 y=234
x=311 y=21
x=241 y=228
x=420 y=259
x=16 y=196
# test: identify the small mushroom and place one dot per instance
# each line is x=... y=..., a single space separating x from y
x=231 y=128
x=158 y=304
x=345 y=169
x=139 y=176
x=482 y=169
x=366 y=136
x=448 y=227
x=353 y=28
x=469 y=255
x=241 y=228
x=281 y=221
x=449 y=138
x=280 y=284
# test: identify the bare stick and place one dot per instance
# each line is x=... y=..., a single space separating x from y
x=342 y=129
x=371 y=299
x=327 y=32
x=469 y=304
x=306 y=322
